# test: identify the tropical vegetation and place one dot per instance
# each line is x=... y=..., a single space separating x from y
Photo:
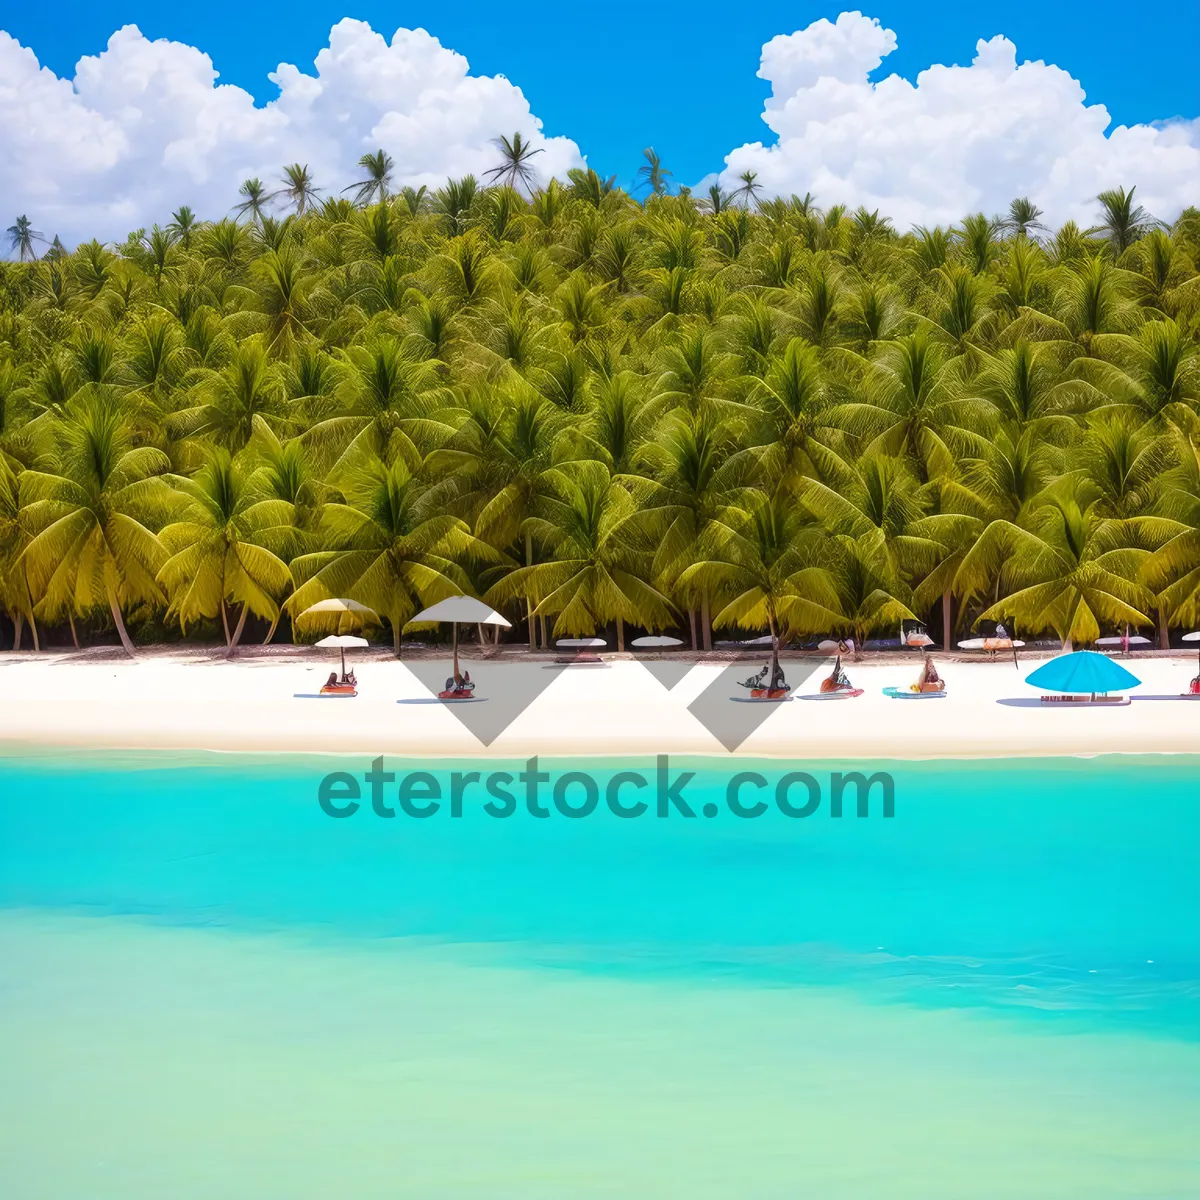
x=600 y=409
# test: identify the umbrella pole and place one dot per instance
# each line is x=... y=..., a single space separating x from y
x=343 y=649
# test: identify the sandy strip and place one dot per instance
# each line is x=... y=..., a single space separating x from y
x=267 y=705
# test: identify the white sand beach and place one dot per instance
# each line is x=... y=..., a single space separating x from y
x=185 y=700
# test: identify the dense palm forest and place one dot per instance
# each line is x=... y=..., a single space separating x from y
x=600 y=411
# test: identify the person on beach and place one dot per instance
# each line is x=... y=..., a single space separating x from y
x=930 y=680
x=758 y=680
x=837 y=680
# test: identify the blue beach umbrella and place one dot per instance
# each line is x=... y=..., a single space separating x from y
x=1082 y=672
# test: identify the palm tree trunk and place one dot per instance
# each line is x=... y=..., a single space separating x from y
x=34 y=630
x=18 y=629
x=1164 y=632
x=692 y=622
x=395 y=637
x=225 y=621
x=774 y=647
x=620 y=636
x=545 y=634
x=271 y=632
x=120 y=622
x=528 y=601
x=705 y=622
x=237 y=633
x=74 y=635
x=947 y=622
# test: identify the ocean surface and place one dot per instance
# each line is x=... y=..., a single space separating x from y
x=210 y=987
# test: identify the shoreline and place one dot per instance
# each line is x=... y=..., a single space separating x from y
x=266 y=704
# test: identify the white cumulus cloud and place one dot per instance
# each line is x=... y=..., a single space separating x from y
x=959 y=140
x=145 y=127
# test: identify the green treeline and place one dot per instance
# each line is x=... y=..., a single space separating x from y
x=595 y=411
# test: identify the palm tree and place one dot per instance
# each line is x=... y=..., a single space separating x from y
x=975 y=240
x=879 y=504
x=500 y=468
x=653 y=175
x=14 y=586
x=1124 y=222
x=912 y=405
x=1155 y=375
x=1024 y=385
x=456 y=200
x=792 y=424
x=717 y=200
x=182 y=226
x=1071 y=570
x=91 y=520
x=514 y=168
x=1173 y=570
x=281 y=296
x=387 y=546
x=852 y=592
x=600 y=560
x=229 y=399
x=21 y=237
x=692 y=477
x=1023 y=215
x=223 y=548
x=750 y=188
x=590 y=187
x=378 y=168
x=298 y=188
x=760 y=552
x=255 y=201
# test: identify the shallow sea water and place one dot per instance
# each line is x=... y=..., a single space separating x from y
x=210 y=987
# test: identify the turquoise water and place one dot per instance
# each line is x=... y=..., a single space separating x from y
x=997 y=988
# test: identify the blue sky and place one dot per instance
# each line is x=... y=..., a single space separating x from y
x=680 y=76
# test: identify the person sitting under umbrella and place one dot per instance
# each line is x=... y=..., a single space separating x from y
x=757 y=680
x=837 y=680
x=460 y=682
x=930 y=680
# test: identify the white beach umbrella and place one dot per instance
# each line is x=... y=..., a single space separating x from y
x=591 y=643
x=656 y=643
x=459 y=610
x=1124 y=641
x=347 y=614
x=343 y=642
